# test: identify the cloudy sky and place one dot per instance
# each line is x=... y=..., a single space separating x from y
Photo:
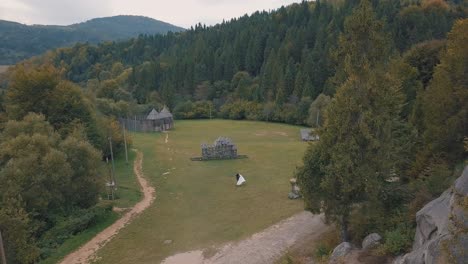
x=182 y=13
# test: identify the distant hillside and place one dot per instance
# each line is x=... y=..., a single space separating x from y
x=19 y=41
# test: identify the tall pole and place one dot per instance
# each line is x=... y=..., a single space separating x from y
x=125 y=141
x=210 y=111
x=2 y=249
x=112 y=159
x=110 y=195
x=318 y=114
x=134 y=125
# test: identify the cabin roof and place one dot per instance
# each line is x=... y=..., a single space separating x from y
x=153 y=115
x=164 y=113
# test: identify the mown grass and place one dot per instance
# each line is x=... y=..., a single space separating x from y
x=197 y=204
x=128 y=194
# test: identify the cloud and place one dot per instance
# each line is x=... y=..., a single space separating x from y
x=60 y=12
x=190 y=12
x=13 y=10
x=182 y=13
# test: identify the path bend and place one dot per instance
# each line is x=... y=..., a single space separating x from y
x=88 y=251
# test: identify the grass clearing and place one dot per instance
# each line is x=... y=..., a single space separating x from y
x=128 y=192
x=197 y=204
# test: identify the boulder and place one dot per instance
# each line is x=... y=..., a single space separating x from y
x=293 y=196
x=432 y=220
x=461 y=184
x=341 y=251
x=399 y=260
x=441 y=235
x=370 y=241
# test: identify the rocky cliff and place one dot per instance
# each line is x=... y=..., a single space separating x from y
x=442 y=228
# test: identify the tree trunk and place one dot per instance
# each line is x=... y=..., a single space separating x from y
x=344 y=228
x=2 y=250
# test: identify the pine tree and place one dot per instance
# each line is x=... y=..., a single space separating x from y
x=357 y=148
x=444 y=105
x=289 y=77
x=299 y=84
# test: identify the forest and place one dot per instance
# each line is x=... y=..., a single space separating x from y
x=267 y=66
x=383 y=82
x=19 y=42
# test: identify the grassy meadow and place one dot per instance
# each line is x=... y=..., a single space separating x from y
x=197 y=203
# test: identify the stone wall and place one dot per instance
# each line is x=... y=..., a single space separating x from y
x=222 y=148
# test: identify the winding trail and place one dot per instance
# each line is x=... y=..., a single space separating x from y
x=87 y=252
x=264 y=247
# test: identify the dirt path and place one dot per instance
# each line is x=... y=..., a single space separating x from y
x=262 y=248
x=87 y=252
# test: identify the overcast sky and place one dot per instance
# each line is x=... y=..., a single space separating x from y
x=181 y=13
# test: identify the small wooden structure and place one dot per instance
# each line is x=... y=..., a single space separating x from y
x=153 y=122
x=309 y=135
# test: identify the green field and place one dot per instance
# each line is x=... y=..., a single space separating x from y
x=197 y=203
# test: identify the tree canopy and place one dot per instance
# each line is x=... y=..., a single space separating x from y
x=43 y=177
x=280 y=57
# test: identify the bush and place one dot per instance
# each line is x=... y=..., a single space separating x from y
x=422 y=197
x=65 y=227
x=181 y=110
x=197 y=110
x=328 y=241
x=241 y=109
x=111 y=127
x=322 y=251
x=110 y=107
x=398 y=240
x=439 y=179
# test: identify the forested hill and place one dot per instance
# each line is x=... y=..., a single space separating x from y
x=383 y=81
x=19 y=41
x=277 y=61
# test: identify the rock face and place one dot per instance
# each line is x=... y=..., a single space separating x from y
x=442 y=225
x=340 y=252
x=370 y=241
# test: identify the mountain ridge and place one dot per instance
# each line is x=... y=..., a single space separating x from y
x=20 y=41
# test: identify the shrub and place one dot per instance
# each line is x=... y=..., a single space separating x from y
x=421 y=198
x=65 y=227
x=241 y=109
x=398 y=240
x=438 y=179
x=328 y=241
x=321 y=251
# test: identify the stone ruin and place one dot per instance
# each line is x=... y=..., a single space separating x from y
x=223 y=148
